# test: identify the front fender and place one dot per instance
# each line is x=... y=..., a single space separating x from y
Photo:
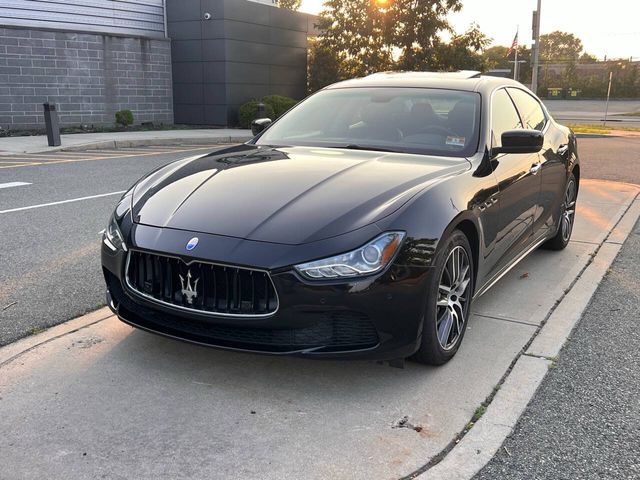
x=466 y=202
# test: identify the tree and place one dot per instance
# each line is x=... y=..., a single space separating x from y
x=463 y=52
x=560 y=47
x=289 y=4
x=525 y=68
x=417 y=29
x=380 y=35
x=625 y=82
x=324 y=67
x=588 y=58
x=359 y=31
x=496 y=57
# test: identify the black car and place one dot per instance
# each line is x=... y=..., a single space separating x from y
x=360 y=224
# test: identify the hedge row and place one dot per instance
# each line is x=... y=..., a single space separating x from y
x=275 y=106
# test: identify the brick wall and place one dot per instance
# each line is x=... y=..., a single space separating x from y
x=89 y=77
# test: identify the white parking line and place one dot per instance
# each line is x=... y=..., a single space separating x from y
x=13 y=184
x=20 y=209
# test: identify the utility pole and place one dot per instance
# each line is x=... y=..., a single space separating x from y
x=536 y=48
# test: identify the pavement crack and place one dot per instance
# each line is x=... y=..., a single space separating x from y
x=506 y=319
x=9 y=305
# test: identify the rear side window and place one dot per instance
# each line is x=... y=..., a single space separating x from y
x=504 y=116
x=532 y=114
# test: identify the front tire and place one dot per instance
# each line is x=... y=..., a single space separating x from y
x=567 y=217
x=448 y=302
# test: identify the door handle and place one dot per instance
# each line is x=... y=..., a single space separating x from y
x=535 y=168
x=562 y=150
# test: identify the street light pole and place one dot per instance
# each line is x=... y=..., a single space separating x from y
x=536 y=48
x=606 y=109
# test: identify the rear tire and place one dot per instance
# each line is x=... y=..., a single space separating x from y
x=567 y=217
x=448 y=301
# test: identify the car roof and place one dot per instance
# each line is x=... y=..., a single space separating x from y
x=466 y=80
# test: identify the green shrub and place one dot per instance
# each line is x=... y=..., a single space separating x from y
x=249 y=110
x=279 y=103
x=124 y=117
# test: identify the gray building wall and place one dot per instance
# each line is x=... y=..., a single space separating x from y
x=245 y=51
x=105 y=56
x=143 y=18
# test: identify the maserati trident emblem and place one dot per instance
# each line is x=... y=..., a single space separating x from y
x=188 y=290
x=191 y=244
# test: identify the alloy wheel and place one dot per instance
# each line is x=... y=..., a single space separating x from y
x=453 y=297
x=569 y=210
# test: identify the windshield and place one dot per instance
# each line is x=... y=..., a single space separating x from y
x=409 y=120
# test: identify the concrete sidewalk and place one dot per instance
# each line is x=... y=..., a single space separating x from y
x=82 y=141
x=94 y=397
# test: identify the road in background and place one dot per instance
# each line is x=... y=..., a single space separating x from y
x=50 y=255
x=592 y=112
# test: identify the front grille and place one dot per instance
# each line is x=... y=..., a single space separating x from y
x=201 y=287
x=334 y=331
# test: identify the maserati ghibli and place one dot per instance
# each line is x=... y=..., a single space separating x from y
x=360 y=224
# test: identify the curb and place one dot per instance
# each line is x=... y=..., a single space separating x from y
x=594 y=135
x=614 y=134
x=14 y=350
x=485 y=438
x=480 y=444
x=151 y=142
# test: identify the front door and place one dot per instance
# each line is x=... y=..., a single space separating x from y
x=518 y=185
x=553 y=171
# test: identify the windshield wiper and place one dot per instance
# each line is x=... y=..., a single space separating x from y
x=355 y=146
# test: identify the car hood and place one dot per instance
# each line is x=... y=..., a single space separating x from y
x=289 y=195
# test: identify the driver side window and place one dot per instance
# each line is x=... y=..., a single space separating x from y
x=504 y=116
x=531 y=111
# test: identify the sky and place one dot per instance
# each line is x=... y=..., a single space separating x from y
x=610 y=28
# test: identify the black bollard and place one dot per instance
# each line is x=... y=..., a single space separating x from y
x=51 y=124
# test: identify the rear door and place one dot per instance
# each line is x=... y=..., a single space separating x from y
x=518 y=184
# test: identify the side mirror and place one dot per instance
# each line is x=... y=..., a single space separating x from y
x=259 y=125
x=520 y=141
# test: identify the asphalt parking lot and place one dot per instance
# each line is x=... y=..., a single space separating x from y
x=107 y=400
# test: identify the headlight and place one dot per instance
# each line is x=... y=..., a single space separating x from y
x=113 y=237
x=368 y=259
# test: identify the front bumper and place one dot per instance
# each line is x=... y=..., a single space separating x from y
x=378 y=317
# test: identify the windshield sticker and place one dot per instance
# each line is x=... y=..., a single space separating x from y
x=455 y=141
